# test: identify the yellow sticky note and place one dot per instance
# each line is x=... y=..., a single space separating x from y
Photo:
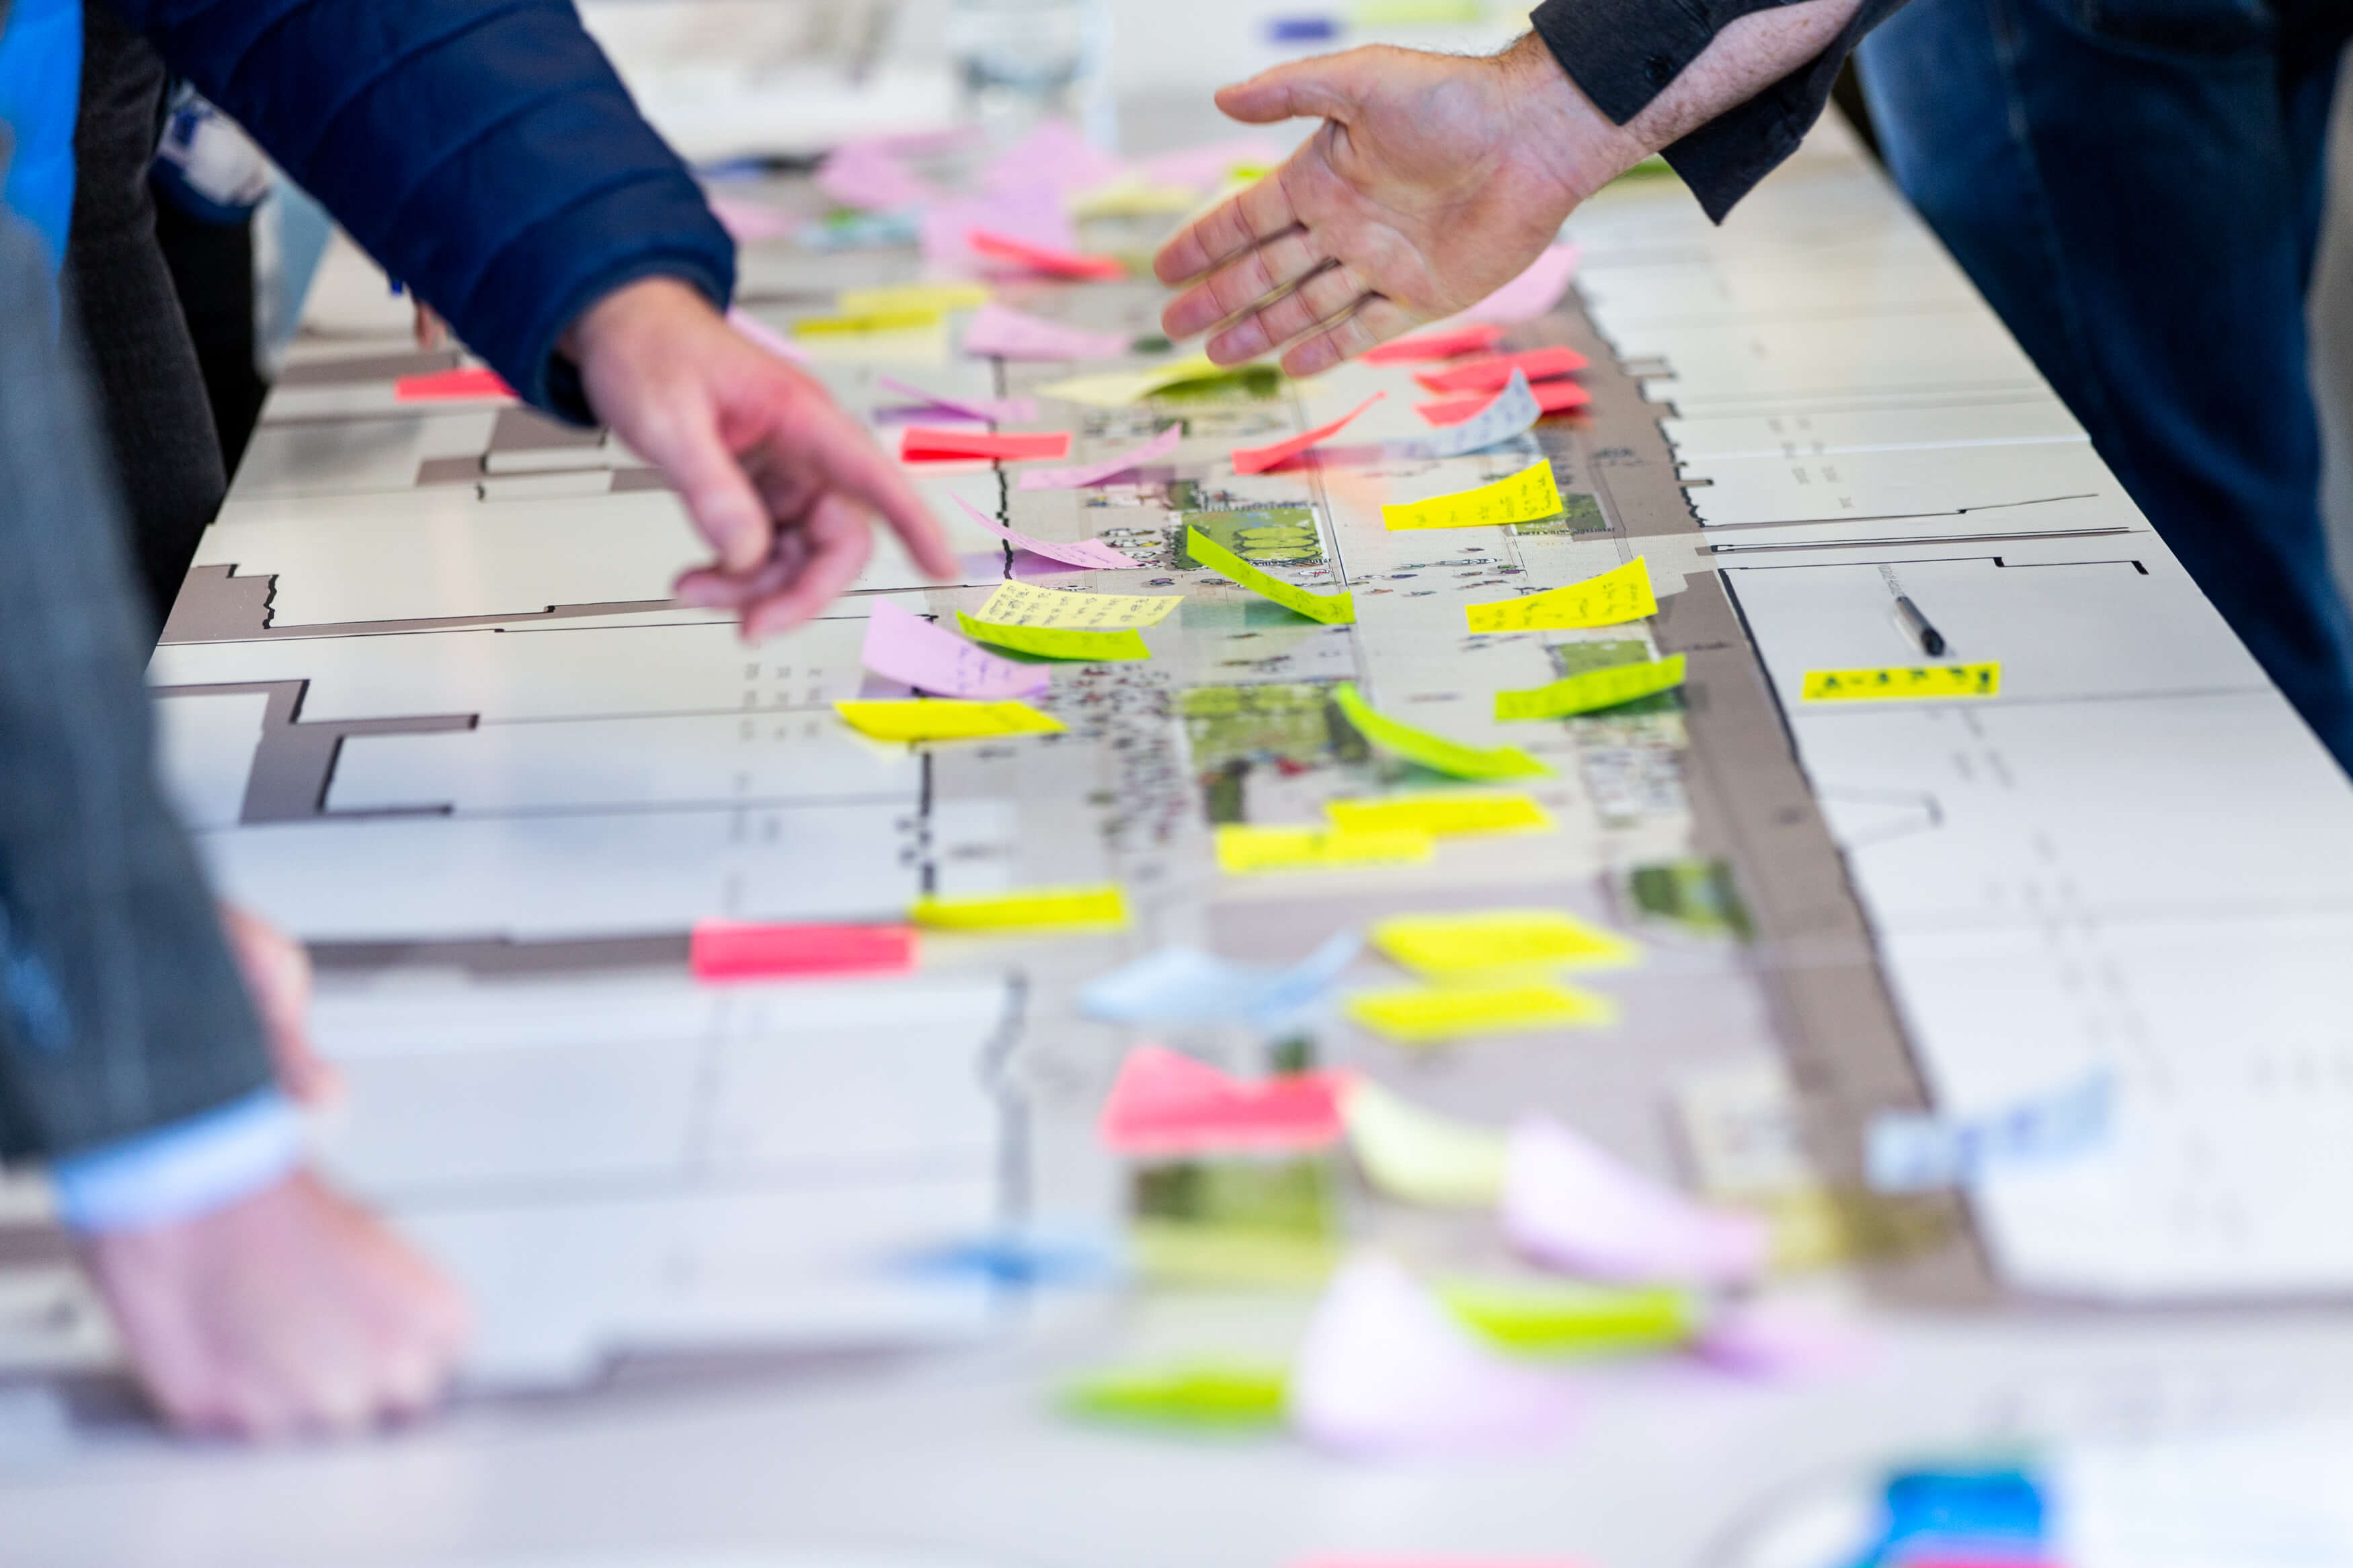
x=1331 y=609
x=1440 y=946
x=1055 y=642
x=1419 y=1156
x=911 y=297
x=946 y=718
x=1027 y=605
x=1614 y=597
x=1434 y=750
x=1246 y=851
x=859 y=325
x=1442 y=814
x=1592 y=688
x=1529 y=496
x=1543 y=1318
x=1428 y=1016
x=1416 y=13
x=1132 y=195
x=1102 y=906
x=1913 y=682
x=1118 y=388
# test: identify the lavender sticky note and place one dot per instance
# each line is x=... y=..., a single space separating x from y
x=1085 y=474
x=905 y=647
x=1087 y=552
x=1571 y=1205
x=989 y=411
x=1009 y=334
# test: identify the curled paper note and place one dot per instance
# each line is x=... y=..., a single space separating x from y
x=1471 y=338
x=1554 y=1319
x=1570 y=1205
x=1616 y=597
x=1906 y=1151
x=1493 y=373
x=1551 y=397
x=1181 y=985
x=1262 y=459
x=1385 y=1372
x=1418 y=1155
x=989 y=411
x=1433 y=752
x=904 y=645
x=1770 y=1337
x=1512 y=412
x=1591 y=690
x=1000 y=334
x=1086 y=553
x=1200 y=1396
x=1333 y=609
x=1529 y=496
x=1168 y=1103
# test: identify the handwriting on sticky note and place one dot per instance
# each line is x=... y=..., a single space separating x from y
x=1445 y=343
x=1572 y=1205
x=736 y=949
x=1591 y=690
x=1260 y=460
x=1442 y=814
x=922 y=442
x=1512 y=412
x=1430 y=751
x=1098 y=907
x=1167 y=1103
x=1245 y=849
x=946 y=718
x=1220 y=1396
x=1418 y=1156
x=864 y=325
x=1086 y=474
x=909 y=297
x=1331 y=609
x=1906 y=683
x=1025 y=605
x=1550 y=397
x=904 y=645
x=1057 y=642
x=1093 y=553
x=1493 y=372
x=1422 y=1016
x=1001 y=334
x=1614 y=597
x=1529 y=496
x=1444 y=945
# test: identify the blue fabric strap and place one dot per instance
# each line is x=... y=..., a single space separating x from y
x=181 y=1170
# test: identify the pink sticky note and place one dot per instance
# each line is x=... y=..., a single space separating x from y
x=1009 y=334
x=730 y=949
x=1569 y=1205
x=1053 y=154
x=1167 y=1103
x=1049 y=261
x=1033 y=217
x=1532 y=293
x=1384 y=1372
x=904 y=645
x=869 y=175
x=1259 y=459
x=767 y=336
x=1552 y=397
x=1770 y=1338
x=989 y=411
x=1089 y=553
x=747 y=221
x=463 y=385
x=1471 y=338
x=1152 y=451
x=921 y=442
x=1493 y=373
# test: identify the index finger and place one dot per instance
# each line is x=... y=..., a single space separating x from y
x=853 y=466
x=1230 y=228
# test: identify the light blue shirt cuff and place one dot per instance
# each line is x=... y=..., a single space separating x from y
x=181 y=1170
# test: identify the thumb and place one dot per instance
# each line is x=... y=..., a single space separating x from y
x=1317 y=88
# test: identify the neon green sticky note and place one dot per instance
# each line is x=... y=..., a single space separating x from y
x=1614 y=597
x=1419 y=1156
x=1331 y=609
x=1118 y=388
x=1529 y=496
x=1591 y=689
x=1057 y=642
x=946 y=718
x=1245 y=849
x=1209 y=1397
x=1456 y=944
x=1433 y=1014
x=1029 y=908
x=1434 y=750
x=1441 y=814
x=1542 y=1317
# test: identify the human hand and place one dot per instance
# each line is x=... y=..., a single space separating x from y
x=1434 y=181
x=277 y=973
x=291 y=1312
x=778 y=478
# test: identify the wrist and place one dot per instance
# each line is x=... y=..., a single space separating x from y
x=1577 y=149
x=623 y=312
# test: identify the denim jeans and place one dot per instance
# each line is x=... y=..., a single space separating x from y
x=2136 y=186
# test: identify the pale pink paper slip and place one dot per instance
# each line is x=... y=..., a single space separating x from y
x=1385 y=1372
x=1053 y=155
x=1092 y=553
x=1034 y=215
x=1009 y=334
x=904 y=645
x=989 y=411
x=1570 y=1205
x=870 y=176
x=1532 y=293
x=1773 y=1338
x=1152 y=451
x=747 y=221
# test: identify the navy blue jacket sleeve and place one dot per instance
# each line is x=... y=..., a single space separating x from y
x=482 y=150
x=1622 y=53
